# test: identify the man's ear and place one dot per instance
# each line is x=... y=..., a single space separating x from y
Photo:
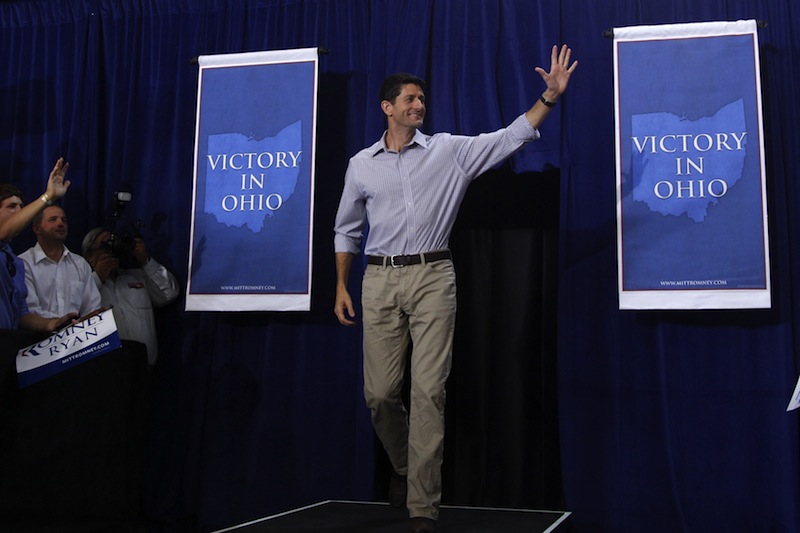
x=386 y=106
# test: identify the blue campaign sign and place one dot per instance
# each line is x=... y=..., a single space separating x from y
x=691 y=206
x=72 y=345
x=253 y=209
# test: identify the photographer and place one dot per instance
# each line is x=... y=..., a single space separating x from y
x=133 y=292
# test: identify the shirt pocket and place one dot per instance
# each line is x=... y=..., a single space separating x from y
x=137 y=296
x=74 y=301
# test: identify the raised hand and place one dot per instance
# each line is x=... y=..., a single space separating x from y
x=560 y=71
x=56 y=184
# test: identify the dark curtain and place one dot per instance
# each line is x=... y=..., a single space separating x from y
x=663 y=421
x=501 y=443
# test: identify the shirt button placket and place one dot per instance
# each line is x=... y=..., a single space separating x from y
x=408 y=197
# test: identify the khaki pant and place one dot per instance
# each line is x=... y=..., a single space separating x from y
x=417 y=304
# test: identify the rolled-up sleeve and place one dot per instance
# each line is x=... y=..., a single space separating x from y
x=350 y=217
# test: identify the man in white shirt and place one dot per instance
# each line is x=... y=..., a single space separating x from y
x=58 y=281
x=133 y=292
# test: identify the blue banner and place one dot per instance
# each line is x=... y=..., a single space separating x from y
x=254 y=182
x=691 y=200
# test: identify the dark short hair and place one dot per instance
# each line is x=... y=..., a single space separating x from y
x=7 y=191
x=393 y=85
x=37 y=219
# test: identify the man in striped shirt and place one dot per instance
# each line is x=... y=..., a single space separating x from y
x=408 y=187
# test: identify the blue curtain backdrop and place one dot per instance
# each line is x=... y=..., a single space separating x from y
x=675 y=421
x=664 y=421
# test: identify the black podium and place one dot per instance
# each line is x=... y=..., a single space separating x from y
x=72 y=446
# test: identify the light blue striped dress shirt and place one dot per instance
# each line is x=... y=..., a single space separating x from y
x=410 y=198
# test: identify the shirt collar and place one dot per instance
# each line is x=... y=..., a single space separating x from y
x=380 y=146
x=39 y=255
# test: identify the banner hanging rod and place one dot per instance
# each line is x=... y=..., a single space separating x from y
x=609 y=33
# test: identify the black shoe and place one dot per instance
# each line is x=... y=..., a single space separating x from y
x=398 y=487
x=421 y=524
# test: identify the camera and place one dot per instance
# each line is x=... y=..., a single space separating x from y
x=121 y=244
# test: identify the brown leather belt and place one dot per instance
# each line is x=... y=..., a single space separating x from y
x=396 y=261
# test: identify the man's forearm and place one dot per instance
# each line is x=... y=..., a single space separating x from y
x=35 y=322
x=56 y=188
x=540 y=109
x=344 y=261
x=13 y=225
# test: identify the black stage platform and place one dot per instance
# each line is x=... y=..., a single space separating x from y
x=365 y=517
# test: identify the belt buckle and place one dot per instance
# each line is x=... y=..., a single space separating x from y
x=392 y=263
